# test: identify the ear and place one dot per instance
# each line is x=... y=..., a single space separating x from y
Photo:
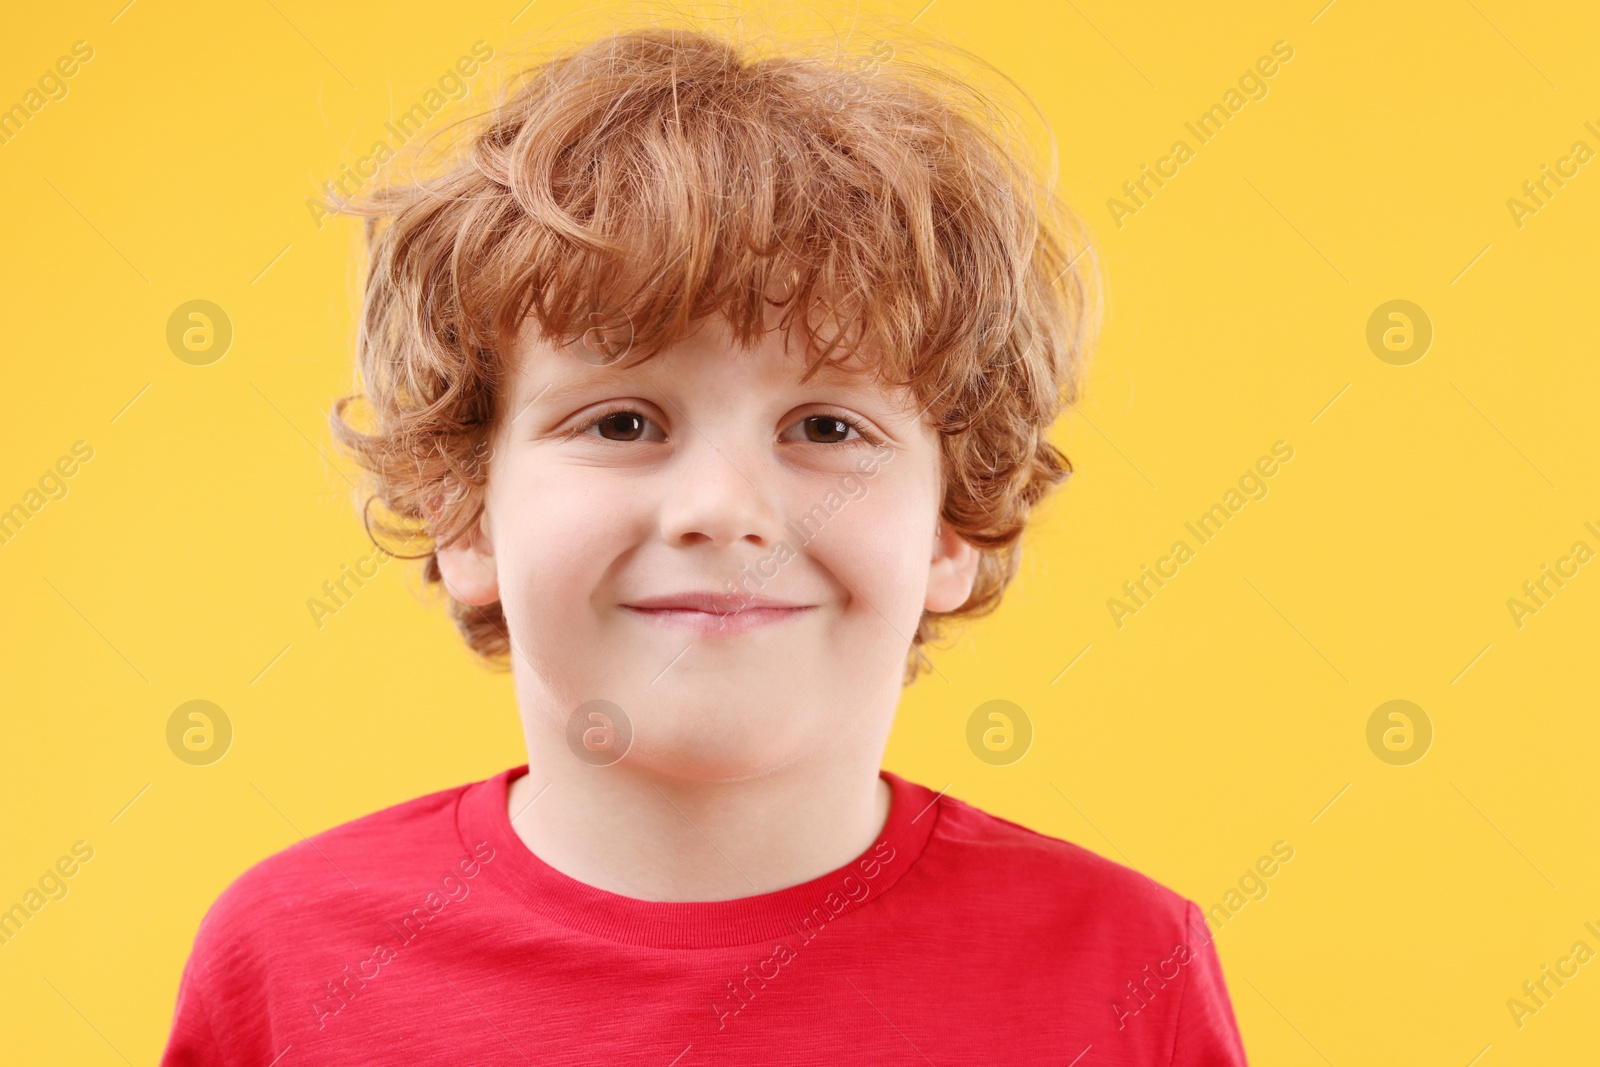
x=468 y=566
x=952 y=572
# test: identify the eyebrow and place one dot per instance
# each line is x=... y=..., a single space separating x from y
x=564 y=387
x=561 y=389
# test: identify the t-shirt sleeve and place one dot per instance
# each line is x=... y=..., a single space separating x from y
x=192 y=1042
x=1207 y=1033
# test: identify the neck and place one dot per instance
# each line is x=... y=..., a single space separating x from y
x=629 y=829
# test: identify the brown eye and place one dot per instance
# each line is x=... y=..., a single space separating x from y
x=833 y=430
x=626 y=425
x=621 y=425
x=837 y=431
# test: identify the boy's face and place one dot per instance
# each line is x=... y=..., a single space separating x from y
x=710 y=469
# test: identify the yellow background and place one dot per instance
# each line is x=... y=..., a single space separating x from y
x=1226 y=715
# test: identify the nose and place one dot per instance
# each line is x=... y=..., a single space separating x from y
x=720 y=492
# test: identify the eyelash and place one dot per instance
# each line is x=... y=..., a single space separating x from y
x=866 y=437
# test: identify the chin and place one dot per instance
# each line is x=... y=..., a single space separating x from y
x=719 y=748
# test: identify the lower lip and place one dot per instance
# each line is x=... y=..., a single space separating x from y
x=712 y=624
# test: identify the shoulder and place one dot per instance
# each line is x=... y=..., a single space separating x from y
x=340 y=872
x=281 y=931
x=1062 y=883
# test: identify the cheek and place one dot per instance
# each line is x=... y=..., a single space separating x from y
x=878 y=546
x=553 y=540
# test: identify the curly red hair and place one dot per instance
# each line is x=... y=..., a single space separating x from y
x=657 y=176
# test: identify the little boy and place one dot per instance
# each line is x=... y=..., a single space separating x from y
x=717 y=383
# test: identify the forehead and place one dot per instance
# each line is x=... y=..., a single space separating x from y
x=550 y=372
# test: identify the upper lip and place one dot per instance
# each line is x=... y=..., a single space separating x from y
x=717 y=603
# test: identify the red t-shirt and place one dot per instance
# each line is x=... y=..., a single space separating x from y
x=429 y=933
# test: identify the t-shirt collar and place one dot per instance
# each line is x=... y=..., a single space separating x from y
x=482 y=816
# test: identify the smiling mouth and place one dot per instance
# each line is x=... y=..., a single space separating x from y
x=715 y=623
